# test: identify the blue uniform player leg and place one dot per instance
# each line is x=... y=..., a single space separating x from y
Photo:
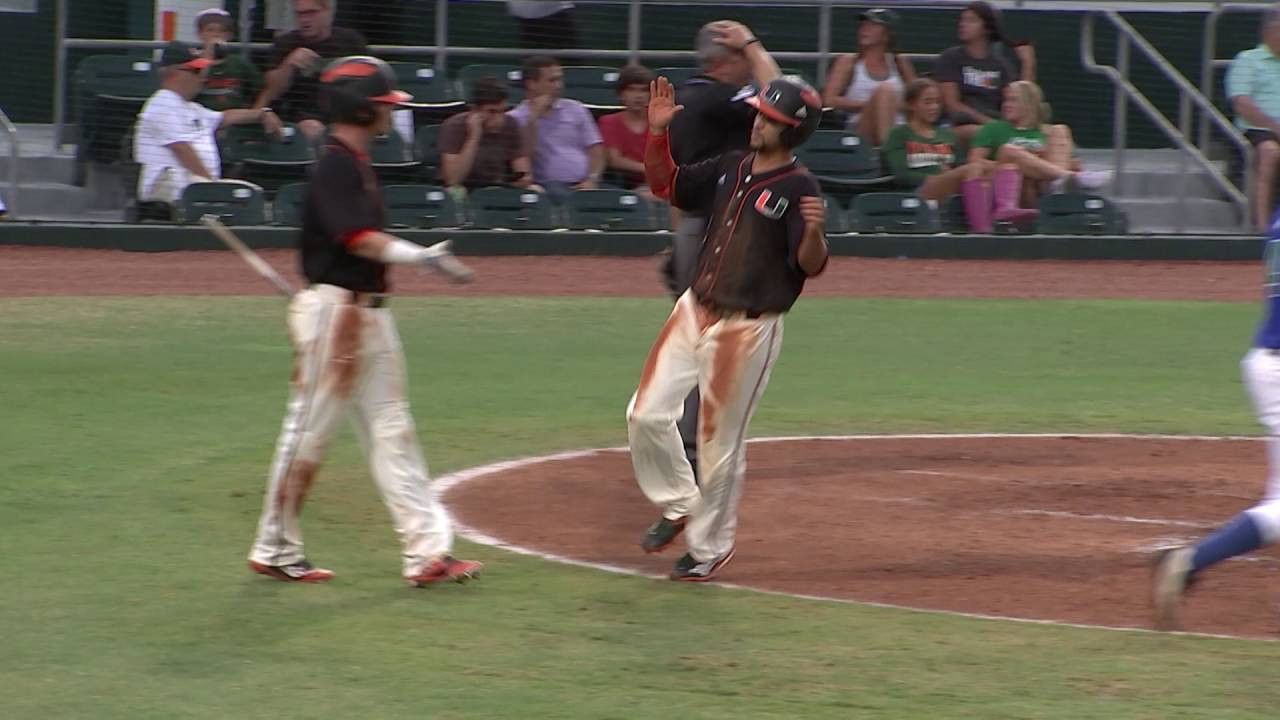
x=1178 y=568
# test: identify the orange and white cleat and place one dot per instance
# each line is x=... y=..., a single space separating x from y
x=446 y=569
x=301 y=571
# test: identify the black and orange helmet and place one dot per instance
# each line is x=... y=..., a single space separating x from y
x=351 y=86
x=793 y=102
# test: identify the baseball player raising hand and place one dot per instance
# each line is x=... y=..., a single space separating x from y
x=765 y=236
x=346 y=348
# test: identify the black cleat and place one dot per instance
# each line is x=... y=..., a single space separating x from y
x=661 y=534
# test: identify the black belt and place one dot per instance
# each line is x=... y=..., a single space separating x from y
x=724 y=312
x=367 y=299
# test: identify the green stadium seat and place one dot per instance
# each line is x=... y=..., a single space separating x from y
x=510 y=73
x=424 y=84
x=610 y=210
x=249 y=153
x=837 y=215
x=234 y=202
x=952 y=215
x=393 y=159
x=892 y=213
x=286 y=208
x=426 y=150
x=420 y=206
x=593 y=85
x=1080 y=214
x=842 y=161
x=108 y=93
x=511 y=208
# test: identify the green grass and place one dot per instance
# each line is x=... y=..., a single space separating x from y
x=137 y=433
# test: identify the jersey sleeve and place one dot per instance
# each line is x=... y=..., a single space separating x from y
x=339 y=199
x=795 y=221
x=1240 y=76
x=694 y=186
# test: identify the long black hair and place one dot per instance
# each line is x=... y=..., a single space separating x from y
x=990 y=17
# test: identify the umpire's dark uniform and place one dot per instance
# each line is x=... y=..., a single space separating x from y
x=716 y=120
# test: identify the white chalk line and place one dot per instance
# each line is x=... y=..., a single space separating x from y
x=445 y=483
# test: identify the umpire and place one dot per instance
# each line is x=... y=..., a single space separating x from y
x=716 y=119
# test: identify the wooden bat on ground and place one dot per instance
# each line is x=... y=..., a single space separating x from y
x=255 y=261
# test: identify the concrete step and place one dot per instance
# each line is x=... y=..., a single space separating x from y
x=1160 y=184
x=44 y=198
x=1148 y=215
x=40 y=168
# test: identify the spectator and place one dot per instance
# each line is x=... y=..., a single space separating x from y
x=624 y=132
x=174 y=142
x=921 y=155
x=231 y=82
x=560 y=134
x=297 y=58
x=1020 y=144
x=278 y=16
x=975 y=73
x=545 y=24
x=1254 y=91
x=484 y=146
x=868 y=84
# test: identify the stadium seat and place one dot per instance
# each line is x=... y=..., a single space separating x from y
x=892 y=213
x=426 y=150
x=510 y=73
x=842 y=161
x=953 y=216
x=511 y=208
x=610 y=210
x=286 y=208
x=108 y=94
x=419 y=206
x=1079 y=214
x=593 y=85
x=837 y=215
x=234 y=202
x=251 y=154
x=393 y=160
x=424 y=84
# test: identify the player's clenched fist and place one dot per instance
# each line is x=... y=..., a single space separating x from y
x=662 y=105
x=813 y=210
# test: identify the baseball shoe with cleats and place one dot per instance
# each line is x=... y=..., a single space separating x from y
x=446 y=569
x=661 y=534
x=1170 y=581
x=688 y=569
x=301 y=571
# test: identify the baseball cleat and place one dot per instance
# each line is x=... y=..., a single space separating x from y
x=446 y=569
x=688 y=569
x=661 y=534
x=1169 y=583
x=301 y=571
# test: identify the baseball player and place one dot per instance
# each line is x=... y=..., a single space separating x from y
x=1178 y=568
x=347 y=354
x=764 y=238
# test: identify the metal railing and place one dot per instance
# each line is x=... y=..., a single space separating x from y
x=11 y=202
x=1128 y=38
x=1209 y=62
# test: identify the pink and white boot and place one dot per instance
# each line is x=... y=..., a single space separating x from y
x=977 y=205
x=1006 y=191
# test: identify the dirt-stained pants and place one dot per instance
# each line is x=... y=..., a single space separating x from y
x=728 y=358
x=348 y=360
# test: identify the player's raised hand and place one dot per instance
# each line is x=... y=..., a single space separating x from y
x=813 y=210
x=662 y=105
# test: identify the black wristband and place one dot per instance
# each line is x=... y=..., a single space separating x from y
x=749 y=42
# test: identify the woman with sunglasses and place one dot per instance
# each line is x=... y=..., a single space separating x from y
x=868 y=84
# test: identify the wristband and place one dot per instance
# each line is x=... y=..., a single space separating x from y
x=749 y=42
x=403 y=252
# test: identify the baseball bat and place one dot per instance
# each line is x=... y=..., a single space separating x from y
x=255 y=261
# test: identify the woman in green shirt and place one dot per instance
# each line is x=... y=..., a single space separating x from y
x=921 y=155
x=1020 y=143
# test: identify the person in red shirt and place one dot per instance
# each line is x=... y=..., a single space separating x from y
x=624 y=132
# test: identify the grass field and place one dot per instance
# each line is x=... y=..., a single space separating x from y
x=137 y=434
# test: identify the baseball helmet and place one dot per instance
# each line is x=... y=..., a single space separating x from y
x=351 y=86
x=793 y=102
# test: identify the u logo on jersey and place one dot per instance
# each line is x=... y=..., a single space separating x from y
x=774 y=211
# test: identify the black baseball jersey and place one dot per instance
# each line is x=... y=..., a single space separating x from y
x=716 y=119
x=343 y=200
x=749 y=255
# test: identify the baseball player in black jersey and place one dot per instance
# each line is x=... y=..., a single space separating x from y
x=764 y=238
x=347 y=354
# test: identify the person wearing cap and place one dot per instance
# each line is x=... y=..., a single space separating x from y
x=231 y=81
x=868 y=85
x=174 y=141
x=297 y=57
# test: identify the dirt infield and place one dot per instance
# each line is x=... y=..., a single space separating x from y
x=1056 y=529
x=57 y=271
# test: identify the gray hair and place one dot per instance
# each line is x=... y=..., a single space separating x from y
x=710 y=53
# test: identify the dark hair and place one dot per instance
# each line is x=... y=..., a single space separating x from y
x=634 y=75
x=533 y=66
x=487 y=90
x=990 y=18
x=916 y=88
x=210 y=17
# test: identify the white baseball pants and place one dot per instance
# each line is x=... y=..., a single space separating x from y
x=729 y=359
x=348 y=360
x=1261 y=371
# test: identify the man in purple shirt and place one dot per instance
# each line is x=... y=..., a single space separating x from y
x=563 y=140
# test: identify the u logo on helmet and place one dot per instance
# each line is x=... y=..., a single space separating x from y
x=773 y=211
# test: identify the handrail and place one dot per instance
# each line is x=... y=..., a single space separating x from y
x=1209 y=50
x=11 y=202
x=1127 y=36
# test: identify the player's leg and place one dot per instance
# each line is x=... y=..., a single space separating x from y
x=735 y=361
x=1268 y=152
x=386 y=429
x=1251 y=529
x=880 y=114
x=323 y=333
x=657 y=453
x=687 y=246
